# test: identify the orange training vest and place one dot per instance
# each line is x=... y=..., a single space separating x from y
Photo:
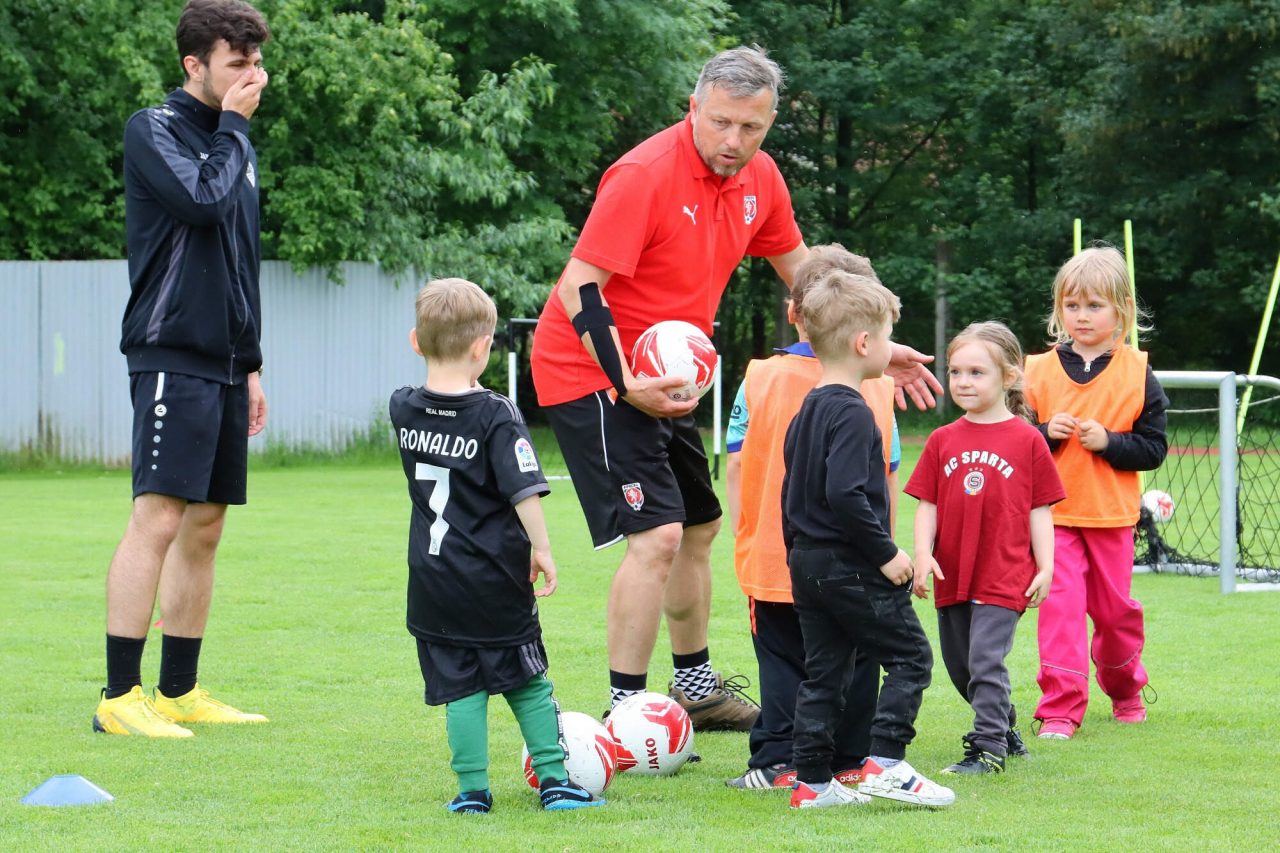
x=775 y=388
x=1097 y=494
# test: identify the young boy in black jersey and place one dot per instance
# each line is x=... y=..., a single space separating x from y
x=477 y=543
x=850 y=581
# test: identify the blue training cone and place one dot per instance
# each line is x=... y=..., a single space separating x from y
x=66 y=790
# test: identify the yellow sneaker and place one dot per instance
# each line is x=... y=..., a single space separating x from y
x=199 y=707
x=134 y=714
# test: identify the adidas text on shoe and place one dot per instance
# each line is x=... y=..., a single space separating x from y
x=566 y=794
x=976 y=761
x=778 y=777
x=849 y=776
x=1129 y=710
x=902 y=782
x=471 y=802
x=198 y=706
x=726 y=708
x=134 y=714
x=1057 y=730
x=835 y=794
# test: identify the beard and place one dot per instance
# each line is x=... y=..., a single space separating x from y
x=718 y=169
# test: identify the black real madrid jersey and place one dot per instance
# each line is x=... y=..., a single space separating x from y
x=469 y=461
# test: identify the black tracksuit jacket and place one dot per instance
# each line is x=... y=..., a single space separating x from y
x=191 y=219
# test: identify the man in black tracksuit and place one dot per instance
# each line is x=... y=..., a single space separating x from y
x=191 y=338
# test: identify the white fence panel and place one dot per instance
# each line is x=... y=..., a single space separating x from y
x=332 y=354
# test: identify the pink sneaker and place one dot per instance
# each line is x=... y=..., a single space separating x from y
x=1057 y=730
x=1129 y=710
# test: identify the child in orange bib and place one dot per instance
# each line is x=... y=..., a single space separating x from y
x=1102 y=411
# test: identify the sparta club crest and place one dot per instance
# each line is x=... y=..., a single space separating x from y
x=634 y=495
x=973 y=482
x=749 y=209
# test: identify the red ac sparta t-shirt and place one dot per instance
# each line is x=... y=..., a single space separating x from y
x=985 y=480
x=671 y=232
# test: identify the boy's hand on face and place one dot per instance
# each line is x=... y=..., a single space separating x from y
x=898 y=570
x=540 y=563
x=1061 y=426
x=1093 y=436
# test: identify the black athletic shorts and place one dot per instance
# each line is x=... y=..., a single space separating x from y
x=451 y=673
x=190 y=437
x=633 y=472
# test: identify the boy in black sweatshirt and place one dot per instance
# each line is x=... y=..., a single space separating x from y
x=851 y=583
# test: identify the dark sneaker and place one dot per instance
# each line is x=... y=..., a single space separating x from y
x=566 y=794
x=779 y=777
x=976 y=760
x=472 y=802
x=726 y=708
x=1014 y=744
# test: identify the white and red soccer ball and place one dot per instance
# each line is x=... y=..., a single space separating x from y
x=1159 y=504
x=676 y=348
x=654 y=735
x=592 y=759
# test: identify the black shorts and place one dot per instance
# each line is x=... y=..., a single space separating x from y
x=190 y=437
x=451 y=673
x=633 y=472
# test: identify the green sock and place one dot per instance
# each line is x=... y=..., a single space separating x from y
x=467 y=723
x=539 y=717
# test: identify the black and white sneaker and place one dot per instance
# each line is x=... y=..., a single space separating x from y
x=778 y=777
x=1014 y=743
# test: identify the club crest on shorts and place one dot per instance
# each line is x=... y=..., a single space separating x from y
x=634 y=495
x=525 y=459
x=749 y=209
x=973 y=482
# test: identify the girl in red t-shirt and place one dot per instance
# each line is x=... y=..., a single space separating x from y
x=984 y=531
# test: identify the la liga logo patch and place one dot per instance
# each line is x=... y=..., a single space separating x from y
x=525 y=458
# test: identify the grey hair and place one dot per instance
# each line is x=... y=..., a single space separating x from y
x=743 y=71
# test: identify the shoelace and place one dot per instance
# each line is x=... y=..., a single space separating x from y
x=1153 y=698
x=736 y=686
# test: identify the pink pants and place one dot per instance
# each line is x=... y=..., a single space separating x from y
x=1092 y=574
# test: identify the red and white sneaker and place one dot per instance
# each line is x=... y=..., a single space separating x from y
x=776 y=778
x=835 y=794
x=850 y=776
x=903 y=782
x=1057 y=730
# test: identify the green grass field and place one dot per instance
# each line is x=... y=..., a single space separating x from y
x=308 y=627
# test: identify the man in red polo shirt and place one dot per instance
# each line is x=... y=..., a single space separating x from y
x=672 y=220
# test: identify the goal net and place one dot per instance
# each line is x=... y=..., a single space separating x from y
x=1223 y=483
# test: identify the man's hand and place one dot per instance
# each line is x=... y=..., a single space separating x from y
x=651 y=396
x=1061 y=426
x=257 y=404
x=1093 y=436
x=925 y=566
x=907 y=368
x=244 y=94
x=540 y=563
x=898 y=570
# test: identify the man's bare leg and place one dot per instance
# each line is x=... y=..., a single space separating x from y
x=135 y=572
x=635 y=604
x=186 y=584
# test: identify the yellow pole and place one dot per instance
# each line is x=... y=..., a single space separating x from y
x=1076 y=233
x=1128 y=259
x=1257 y=347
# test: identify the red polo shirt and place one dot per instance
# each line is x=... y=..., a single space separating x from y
x=671 y=232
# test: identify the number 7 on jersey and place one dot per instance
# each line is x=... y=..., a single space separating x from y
x=437 y=502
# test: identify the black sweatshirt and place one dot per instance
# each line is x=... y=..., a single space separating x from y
x=1141 y=449
x=835 y=494
x=191 y=219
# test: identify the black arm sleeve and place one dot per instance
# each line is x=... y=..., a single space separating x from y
x=1144 y=447
x=596 y=321
x=196 y=192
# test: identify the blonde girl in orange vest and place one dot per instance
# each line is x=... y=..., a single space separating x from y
x=1102 y=411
